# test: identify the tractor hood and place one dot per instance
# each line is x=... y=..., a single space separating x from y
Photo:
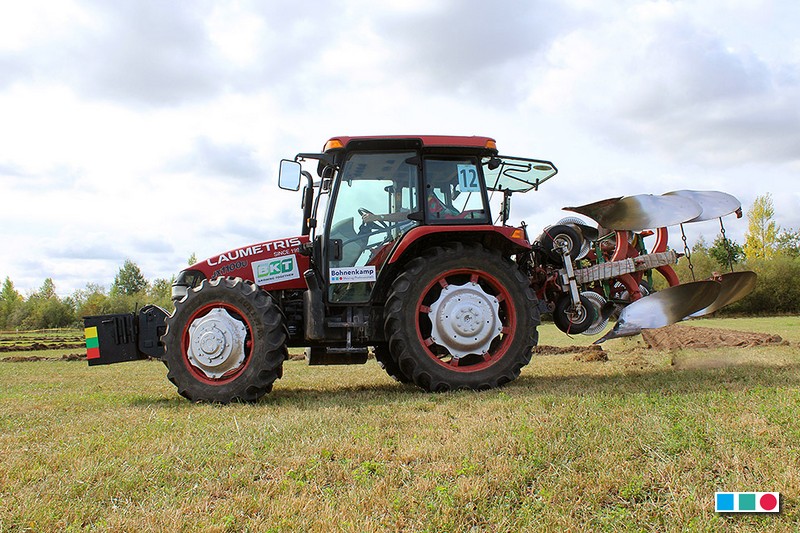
x=273 y=265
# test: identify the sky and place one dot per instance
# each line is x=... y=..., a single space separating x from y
x=152 y=130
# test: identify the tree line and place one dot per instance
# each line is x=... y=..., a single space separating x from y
x=769 y=250
x=44 y=309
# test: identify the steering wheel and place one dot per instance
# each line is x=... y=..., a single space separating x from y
x=380 y=224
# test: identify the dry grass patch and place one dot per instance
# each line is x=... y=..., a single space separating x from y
x=639 y=442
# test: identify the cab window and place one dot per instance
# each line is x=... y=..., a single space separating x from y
x=454 y=192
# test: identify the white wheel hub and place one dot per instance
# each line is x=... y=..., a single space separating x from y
x=465 y=320
x=216 y=343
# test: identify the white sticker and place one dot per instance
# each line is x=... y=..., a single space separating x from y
x=277 y=269
x=352 y=274
x=468 y=178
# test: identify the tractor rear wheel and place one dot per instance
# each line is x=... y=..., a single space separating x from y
x=461 y=317
x=389 y=364
x=226 y=341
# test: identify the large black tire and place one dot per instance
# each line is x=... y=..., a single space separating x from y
x=225 y=342
x=470 y=292
x=389 y=364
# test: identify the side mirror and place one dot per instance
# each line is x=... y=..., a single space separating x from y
x=289 y=175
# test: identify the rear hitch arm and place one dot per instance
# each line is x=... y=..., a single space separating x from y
x=568 y=281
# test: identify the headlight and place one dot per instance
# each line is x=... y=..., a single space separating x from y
x=186 y=280
x=179 y=292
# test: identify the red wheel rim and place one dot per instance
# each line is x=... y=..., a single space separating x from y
x=233 y=373
x=507 y=315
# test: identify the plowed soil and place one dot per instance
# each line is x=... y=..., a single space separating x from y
x=37 y=346
x=593 y=352
x=34 y=358
x=678 y=336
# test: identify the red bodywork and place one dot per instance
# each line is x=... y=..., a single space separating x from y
x=513 y=235
x=279 y=265
x=272 y=265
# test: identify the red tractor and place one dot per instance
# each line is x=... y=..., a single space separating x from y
x=398 y=252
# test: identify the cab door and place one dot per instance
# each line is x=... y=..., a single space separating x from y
x=369 y=209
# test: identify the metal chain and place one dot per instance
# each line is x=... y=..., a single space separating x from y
x=687 y=253
x=728 y=245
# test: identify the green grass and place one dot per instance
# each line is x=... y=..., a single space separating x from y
x=637 y=443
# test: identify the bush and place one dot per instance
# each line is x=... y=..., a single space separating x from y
x=776 y=292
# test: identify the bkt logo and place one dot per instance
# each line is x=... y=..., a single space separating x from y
x=276 y=268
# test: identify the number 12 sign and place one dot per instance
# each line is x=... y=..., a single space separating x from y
x=468 y=178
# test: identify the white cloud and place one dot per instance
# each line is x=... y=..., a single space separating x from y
x=152 y=130
x=655 y=79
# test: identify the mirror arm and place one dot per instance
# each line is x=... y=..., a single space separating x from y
x=308 y=200
x=325 y=158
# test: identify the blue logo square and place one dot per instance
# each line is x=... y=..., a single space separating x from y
x=724 y=502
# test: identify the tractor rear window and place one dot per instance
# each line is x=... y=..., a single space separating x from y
x=454 y=191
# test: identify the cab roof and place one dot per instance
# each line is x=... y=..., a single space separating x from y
x=437 y=141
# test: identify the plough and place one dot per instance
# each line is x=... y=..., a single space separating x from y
x=586 y=274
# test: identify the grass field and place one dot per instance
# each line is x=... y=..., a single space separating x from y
x=637 y=443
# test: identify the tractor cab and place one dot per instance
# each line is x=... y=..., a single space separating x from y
x=378 y=191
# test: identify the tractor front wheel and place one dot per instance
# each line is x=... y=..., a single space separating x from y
x=226 y=341
x=461 y=317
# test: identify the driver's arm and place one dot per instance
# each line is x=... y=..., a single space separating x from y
x=398 y=216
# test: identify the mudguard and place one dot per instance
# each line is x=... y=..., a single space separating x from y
x=506 y=236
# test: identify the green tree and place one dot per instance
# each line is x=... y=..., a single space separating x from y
x=700 y=245
x=10 y=300
x=762 y=231
x=44 y=309
x=698 y=266
x=55 y=313
x=129 y=280
x=48 y=290
x=788 y=243
x=90 y=301
x=725 y=250
x=192 y=259
x=160 y=292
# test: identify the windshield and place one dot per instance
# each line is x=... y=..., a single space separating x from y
x=516 y=174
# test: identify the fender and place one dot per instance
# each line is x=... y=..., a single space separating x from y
x=505 y=237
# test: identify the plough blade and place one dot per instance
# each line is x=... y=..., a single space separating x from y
x=640 y=212
x=734 y=287
x=664 y=308
x=714 y=204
